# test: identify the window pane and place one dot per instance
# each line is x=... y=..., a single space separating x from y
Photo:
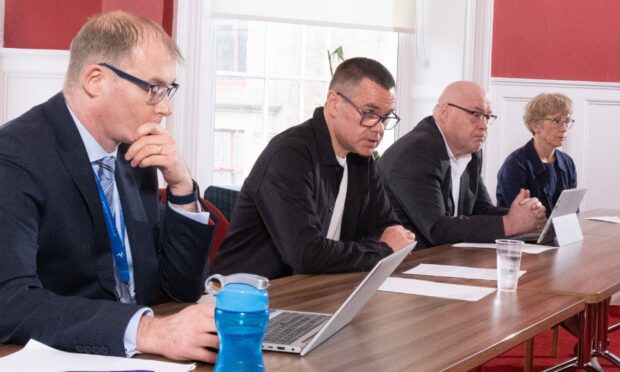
x=382 y=46
x=225 y=47
x=283 y=104
x=271 y=76
x=238 y=123
x=315 y=60
x=226 y=157
x=239 y=46
x=314 y=94
x=284 y=49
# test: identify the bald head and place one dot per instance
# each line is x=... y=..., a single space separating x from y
x=460 y=90
x=464 y=132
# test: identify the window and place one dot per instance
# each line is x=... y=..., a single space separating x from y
x=271 y=76
x=231 y=44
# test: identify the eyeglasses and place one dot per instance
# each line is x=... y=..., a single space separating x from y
x=476 y=116
x=370 y=119
x=155 y=92
x=559 y=122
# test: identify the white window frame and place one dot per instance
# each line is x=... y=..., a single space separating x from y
x=1 y=23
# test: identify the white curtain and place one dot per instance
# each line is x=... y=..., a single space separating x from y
x=386 y=15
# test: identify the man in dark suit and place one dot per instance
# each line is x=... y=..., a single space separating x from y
x=85 y=244
x=314 y=202
x=433 y=175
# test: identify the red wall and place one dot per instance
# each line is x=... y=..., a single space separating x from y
x=51 y=24
x=557 y=39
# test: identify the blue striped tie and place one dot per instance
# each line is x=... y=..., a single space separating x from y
x=105 y=172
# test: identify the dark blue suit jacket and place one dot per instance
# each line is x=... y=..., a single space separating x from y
x=416 y=171
x=523 y=169
x=56 y=276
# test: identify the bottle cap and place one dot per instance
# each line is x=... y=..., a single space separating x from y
x=239 y=292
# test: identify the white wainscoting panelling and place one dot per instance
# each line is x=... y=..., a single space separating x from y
x=592 y=143
x=601 y=159
x=29 y=77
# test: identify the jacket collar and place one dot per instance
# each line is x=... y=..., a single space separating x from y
x=74 y=157
x=534 y=159
x=327 y=155
x=429 y=125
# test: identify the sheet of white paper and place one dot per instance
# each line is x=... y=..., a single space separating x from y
x=433 y=289
x=527 y=248
x=36 y=356
x=456 y=271
x=613 y=219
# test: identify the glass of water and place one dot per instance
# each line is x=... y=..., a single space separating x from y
x=508 y=263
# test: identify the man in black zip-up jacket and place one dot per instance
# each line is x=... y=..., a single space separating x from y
x=314 y=201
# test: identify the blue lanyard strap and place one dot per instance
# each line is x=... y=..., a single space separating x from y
x=118 y=246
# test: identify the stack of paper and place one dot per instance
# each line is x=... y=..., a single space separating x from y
x=612 y=219
x=527 y=248
x=443 y=290
x=432 y=289
x=36 y=356
x=456 y=271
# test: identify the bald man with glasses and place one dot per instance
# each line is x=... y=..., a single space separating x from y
x=433 y=175
x=314 y=202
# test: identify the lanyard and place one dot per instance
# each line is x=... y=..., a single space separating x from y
x=118 y=246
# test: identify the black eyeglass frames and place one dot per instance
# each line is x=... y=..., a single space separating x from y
x=155 y=93
x=476 y=116
x=370 y=119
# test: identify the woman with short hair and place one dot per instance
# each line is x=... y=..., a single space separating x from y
x=540 y=166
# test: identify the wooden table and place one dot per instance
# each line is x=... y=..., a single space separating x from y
x=406 y=332
x=598 y=228
x=599 y=273
x=397 y=331
x=602 y=329
x=587 y=269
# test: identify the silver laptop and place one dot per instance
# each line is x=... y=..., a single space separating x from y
x=300 y=332
x=567 y=203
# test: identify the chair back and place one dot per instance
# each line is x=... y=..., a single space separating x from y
x=223 y=198
x=216 y=217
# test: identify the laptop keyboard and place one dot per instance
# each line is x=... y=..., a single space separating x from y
x=287 y=327
x=527 y=237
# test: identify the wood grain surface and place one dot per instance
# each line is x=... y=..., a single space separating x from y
x=409 y=332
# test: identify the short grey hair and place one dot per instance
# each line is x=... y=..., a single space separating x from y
x=112 y=37
x=546 y=104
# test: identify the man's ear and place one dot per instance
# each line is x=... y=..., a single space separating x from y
x=92 y=80
x=331 y=103
x=443 y=112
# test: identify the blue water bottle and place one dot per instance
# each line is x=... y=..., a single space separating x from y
x=241 y=317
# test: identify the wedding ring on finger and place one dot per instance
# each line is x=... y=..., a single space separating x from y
x=159 y=150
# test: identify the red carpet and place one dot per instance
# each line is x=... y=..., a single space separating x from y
x=513 y=359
